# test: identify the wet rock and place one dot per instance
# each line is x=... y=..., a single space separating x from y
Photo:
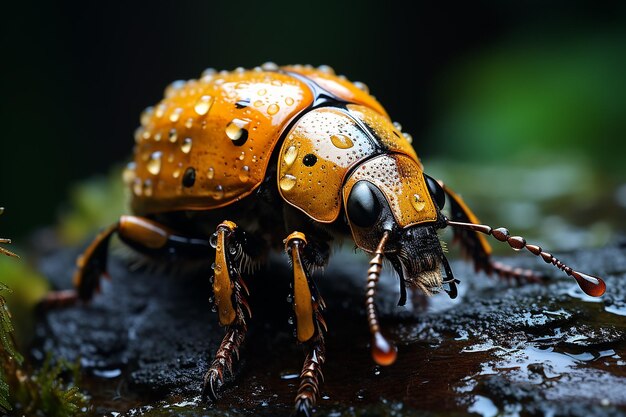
x=146 y=340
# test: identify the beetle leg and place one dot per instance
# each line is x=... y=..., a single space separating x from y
x=309 y=326
x=228 y=290
x=475 y=245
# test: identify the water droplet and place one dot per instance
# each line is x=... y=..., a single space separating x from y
x=361 y=86
x=408 y=137
x=138 y=134
x=244 y=175
x=160 y=110
x=147 y=188
x=146 y=115
x=189 y=123
x=176 y=173
x=236 y=129
x=290 y=320
x=137 y=187
x=342 y=141
x=397 y=126
x=219 y=192
x=129 y=174
x=176 y=114
x=290 y=155
x=210 y=173
x=326 y=69
x=262 y=92
x=418 y=203
x=173 y=88
x=213 y=243
x=289 y=299
x=258 y=103
x=287 y=182
x=269 y=66
x=154 y=163
x=289 y=101
x=170 y=158
x=145 y=135
x=383 y=352
x=203 y=105
x=157 y=137
x=272 y=109
x=209 y=72
x=173 y=136
x=186 y=145
x=242 y=156
x=1 y=210
x=232 y=250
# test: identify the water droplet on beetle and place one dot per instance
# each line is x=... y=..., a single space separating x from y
x=210 y=173
x=176 y=173
x=189 y=123
x=160 y=110
x=341 y=141
x=146 y=115
x=147 y=188
x=290 y=155
x=361 y=86
x=137 y=187
x=203 y=105
x=186 y=145
x=289 y=101
x=287 y=182
x=176 y=114
x=257 y=103
x=418 y=203
x=290 y=320
x=219 y=192
x=397 y=126
x=173 y=136
x=235 y=129
x=269 y=66
x=173 y=88
x=326 y=69
x=244 y=175
x=154 y=163
x=232 y=250
x=272 y=109
x=408 y=137
x=129 y=173
x=262 y=92
x=213 y=243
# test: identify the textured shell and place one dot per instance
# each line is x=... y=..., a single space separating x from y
x=338 y=140
x=208 y=143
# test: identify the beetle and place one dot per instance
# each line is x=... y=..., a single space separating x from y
x=236 y=164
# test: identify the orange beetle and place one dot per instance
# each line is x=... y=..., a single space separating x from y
x=291 y=157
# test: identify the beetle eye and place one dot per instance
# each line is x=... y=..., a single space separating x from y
x=363 y=206
x=436 y=191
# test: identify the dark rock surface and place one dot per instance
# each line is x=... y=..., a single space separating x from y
x=147 y=339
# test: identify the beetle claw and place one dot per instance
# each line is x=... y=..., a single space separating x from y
x=303 y=409
x=212 y=382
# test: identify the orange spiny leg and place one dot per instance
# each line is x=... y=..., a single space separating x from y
x=476 y=246
x=228 y=288
x=309 y=325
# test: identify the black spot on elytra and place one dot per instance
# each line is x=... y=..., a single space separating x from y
x=309 y=159
x=189 y=177
x=242 y=103
x=396 y=133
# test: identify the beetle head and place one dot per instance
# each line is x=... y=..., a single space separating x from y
x=390 y=194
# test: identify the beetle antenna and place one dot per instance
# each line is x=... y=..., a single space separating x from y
x=383 y=352
x=590 y=284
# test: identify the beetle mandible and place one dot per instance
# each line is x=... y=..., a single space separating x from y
x=236 y=164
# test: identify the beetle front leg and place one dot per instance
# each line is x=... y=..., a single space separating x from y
x=309 y=325
x=229 y=300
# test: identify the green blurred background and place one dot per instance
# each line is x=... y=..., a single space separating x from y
x=521 y=106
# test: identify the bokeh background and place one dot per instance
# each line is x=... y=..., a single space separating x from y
x=520 y=106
